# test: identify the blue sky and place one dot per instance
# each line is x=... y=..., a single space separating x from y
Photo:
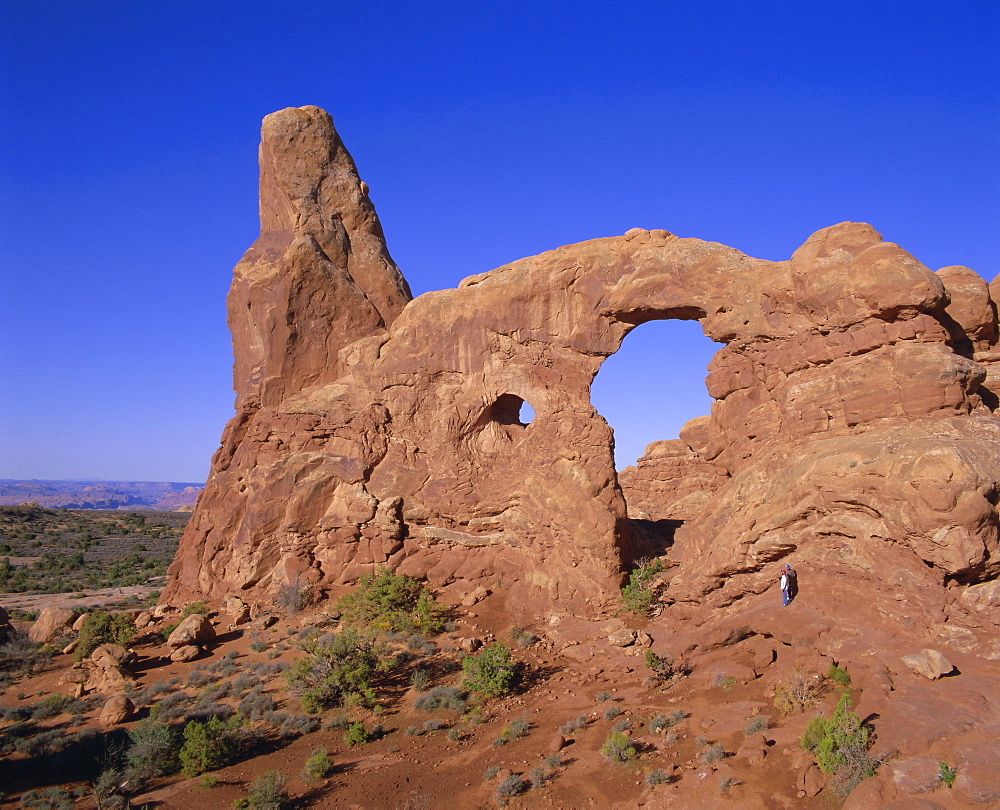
x=487 y=132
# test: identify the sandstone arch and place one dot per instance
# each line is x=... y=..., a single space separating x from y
x=374 y=429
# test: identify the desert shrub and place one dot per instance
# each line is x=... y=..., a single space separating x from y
x=414 y=731
x=292 y=598
x=454 y=735
x=701 y=740
x=637 y=595
x=296 y=725
x=664 y=669
x=256 y=704
x=755 y=724
x=103 y=628
x=441 y=697
x=491 y=773
x=492 y=672
x=727 y=782
x=54 y=705
x=520 y=727
x=612 y=712
x=194 y=607
x=205 y=709
x=434 y=724
x=339 y=670
x=713 y=753
x=618 y=748
x=947 y=775
x=839 y=675
x=796 y=696
x=420 y=679
x=603 y=696
x=553 y=760
x=522 y=638
x=18 y=654
x=657 y=777
x=511 y=786
x=209 y=745
x=198 y=677
x=571 y=726
x=356 y=734
x=318 y=765
x=153 y=748
x=622 y=725
x=215 y=691
x=243 y=682
x=266 y=793
x=161 y=687
x=671 y=738
x=257 y=646
x=723 y=681
x=658 y=723
x=387 y=601
x=336 y=721
x=54 y=798
x=537 y=777
x=840 y=746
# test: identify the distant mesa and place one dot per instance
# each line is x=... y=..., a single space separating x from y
x=853 y=431
x=163 y=496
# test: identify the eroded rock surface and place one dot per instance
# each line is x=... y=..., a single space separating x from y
x=852 y=432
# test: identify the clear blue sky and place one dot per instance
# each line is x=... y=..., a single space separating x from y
x=487 y=132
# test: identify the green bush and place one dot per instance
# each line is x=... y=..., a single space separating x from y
x=318 y=766
x=946 y=774
x=194 y=607
x=840 y=745
x=153 y=748
x=103 y=628
x=637 y=595
x=385 y=601
x=209 y=745
x=618 y=748
x=839 y=675
x=356 y=734
x=339 y=670
x=665 y=670
x=492 y=672
x=266 y=793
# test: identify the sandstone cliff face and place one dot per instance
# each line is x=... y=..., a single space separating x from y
x=850 y=428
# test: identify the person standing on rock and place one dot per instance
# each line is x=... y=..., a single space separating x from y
x=786 y=585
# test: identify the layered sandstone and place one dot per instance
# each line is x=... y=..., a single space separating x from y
x=851 y=429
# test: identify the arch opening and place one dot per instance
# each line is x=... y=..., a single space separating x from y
x=653 y=384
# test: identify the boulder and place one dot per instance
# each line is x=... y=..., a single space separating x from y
x=195 y=630
x=109 y=656
x=51 y=623
x=622 y=638
x=163 y=610
x=70 y=648
x=4 y=617
x=810 y=780
x=143 y=620
x=236 y=609
x=754 y=749
x=78 y=624
x=183 y=654
x=116 y=710
x=932 y=664
x=109 y=679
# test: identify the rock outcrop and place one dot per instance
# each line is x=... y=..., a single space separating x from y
x=51 y=623
x=852 y=431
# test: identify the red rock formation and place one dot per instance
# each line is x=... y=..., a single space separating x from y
x=846 y=432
